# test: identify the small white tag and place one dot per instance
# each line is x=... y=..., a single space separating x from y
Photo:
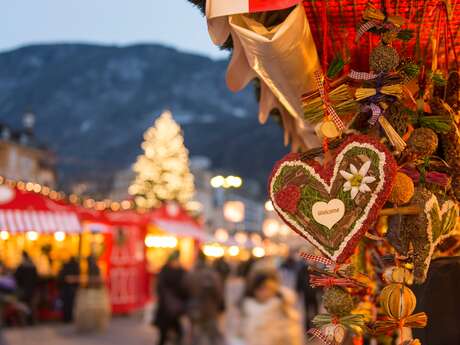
x=328 y=214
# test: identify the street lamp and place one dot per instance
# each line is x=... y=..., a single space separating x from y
x=241 y=238
x=231 y=181
x=258 y=252
x=270 y=227
x=233 y=251
x=234 y=211
x=221 y=235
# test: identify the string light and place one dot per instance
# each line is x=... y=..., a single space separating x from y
x=115 y=206
x=87 y=202
x=4 y=235
x=59 y=236
x=37 y=188
x=73 y=198
x=32 y=235
x=152 y=241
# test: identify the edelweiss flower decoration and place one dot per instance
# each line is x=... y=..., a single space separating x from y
x=357 y=180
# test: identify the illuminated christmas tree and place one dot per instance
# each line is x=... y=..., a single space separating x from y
x=162 y=172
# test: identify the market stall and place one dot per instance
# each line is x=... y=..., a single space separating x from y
x=171 y=228
x=46 y=229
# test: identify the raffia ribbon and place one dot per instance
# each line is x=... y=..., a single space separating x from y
x=418 y=320
x=395 y=90
x=354 y=322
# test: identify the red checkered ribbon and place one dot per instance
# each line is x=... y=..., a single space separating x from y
x=376 y=112
x=315 y=332
x=361 y=75
x=329 y=108
x=365 y=28
x=318 y=259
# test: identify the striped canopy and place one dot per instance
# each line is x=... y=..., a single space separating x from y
x=22 y=211
x=174 y=220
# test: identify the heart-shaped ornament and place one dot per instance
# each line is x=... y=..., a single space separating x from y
x=332 y=206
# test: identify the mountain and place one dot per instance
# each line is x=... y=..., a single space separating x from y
x=93 y=103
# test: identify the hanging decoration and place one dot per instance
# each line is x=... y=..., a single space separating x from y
x=332 y=206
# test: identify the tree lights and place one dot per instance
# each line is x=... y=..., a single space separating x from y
x=163 y=172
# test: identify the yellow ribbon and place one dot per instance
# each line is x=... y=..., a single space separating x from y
x=395 y=90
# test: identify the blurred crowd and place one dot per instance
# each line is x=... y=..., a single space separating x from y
x=256 y=302
x=264 y=301
x=22 y=291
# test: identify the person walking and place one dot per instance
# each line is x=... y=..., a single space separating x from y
x=7 y=289
x=288 y=270
x=171 y=296
x=222 y=267
x=308 y=295
x=269 y=316
x=26 y=277
x=206 y=303
x=69 y=281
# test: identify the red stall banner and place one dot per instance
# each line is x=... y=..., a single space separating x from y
x=128 y=280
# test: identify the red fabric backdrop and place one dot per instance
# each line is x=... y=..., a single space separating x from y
x=344 y=17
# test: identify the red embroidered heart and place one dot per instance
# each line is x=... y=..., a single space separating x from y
x=288 y=198
x=311 y=198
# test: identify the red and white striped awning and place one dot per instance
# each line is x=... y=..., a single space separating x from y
x=181 y=229
x=173 y=219
x=20 y=221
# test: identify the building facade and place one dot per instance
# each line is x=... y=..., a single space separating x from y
x=23 y=158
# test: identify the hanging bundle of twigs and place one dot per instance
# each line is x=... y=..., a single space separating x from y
x=340 y=98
